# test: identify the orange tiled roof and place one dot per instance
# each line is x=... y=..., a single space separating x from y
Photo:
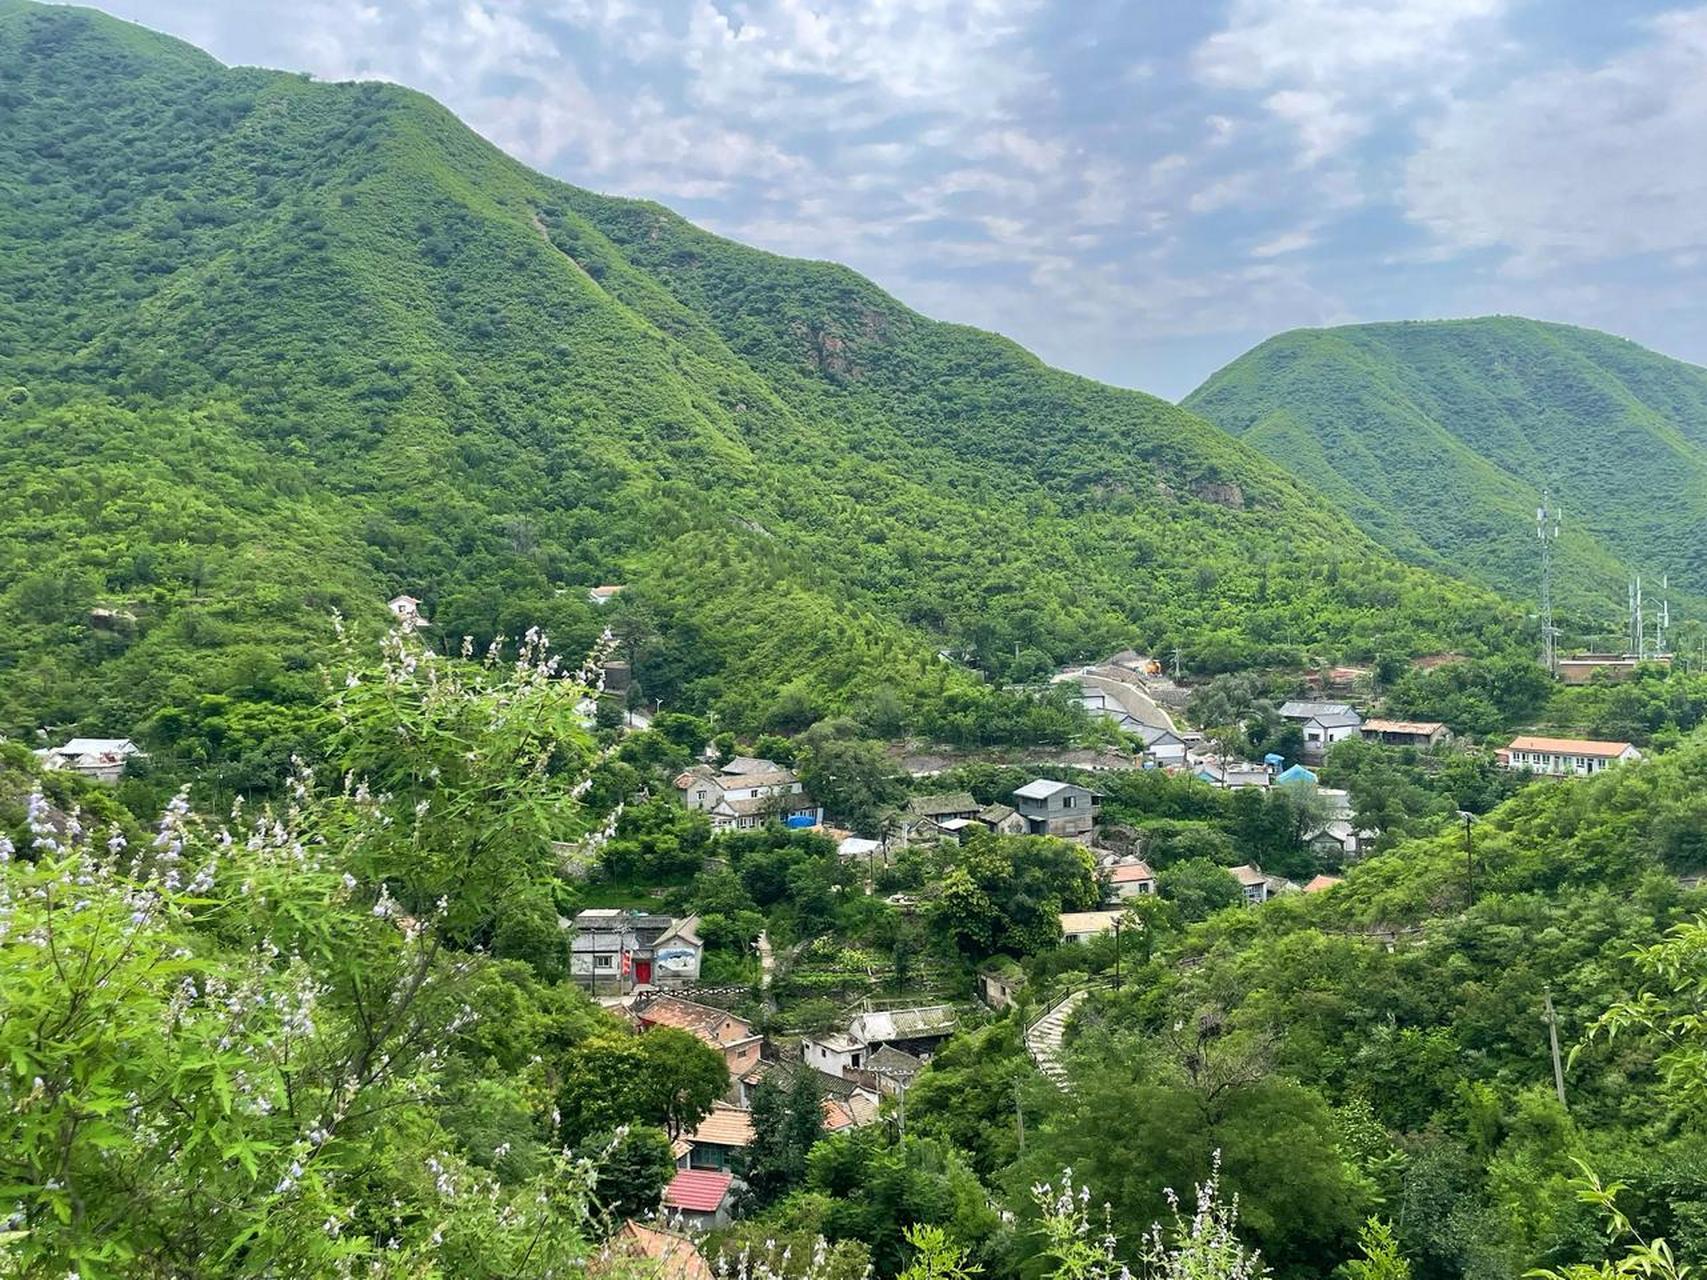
x=1568 y=746
x=678 y=1258
x=726 y=1126
x=717 y=1027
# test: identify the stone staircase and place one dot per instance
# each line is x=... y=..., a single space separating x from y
x=1043 y=1037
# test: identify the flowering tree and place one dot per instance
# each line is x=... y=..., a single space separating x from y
x=1202 y=1246
x=226 y=1053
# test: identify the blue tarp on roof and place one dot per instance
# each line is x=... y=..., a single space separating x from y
x=800 y=820
x=1297 y=773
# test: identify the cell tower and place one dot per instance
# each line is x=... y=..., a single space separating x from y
x=1638 y=638
x=1662 y=624
x=1547 y=533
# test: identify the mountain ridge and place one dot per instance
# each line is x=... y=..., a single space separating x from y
x=1441 y=437
x=493 y=390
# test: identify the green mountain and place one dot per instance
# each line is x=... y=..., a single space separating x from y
x=1439 y=439
x=271 y=348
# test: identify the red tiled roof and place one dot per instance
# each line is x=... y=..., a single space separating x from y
x=698 y=1190
x=1128 y=872
x=1322 y=882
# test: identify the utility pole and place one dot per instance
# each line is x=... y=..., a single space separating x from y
x=1469 y=856
x=1553 y=1041
x=1019 y=1117
x=1547 y=533
x=1176 y=663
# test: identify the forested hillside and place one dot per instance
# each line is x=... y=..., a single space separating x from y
x=1439 y=439
x=271 y=349
x=1382 y=1047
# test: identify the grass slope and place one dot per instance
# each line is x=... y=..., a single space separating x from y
x=270 y=348
x=1438 y=438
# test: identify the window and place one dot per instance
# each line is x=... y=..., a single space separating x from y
x=604 y=962
x=856 y=1059
x=1066 y=802
x=755 y=793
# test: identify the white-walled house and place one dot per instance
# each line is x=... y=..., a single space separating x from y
x=1131 y=880
x=832 y=1052
x=747 y=793
x=1323 y=724
x=1564 y=757
x=1082 y=926
x=98 y=759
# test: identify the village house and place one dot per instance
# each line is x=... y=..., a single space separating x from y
x=615 y=952
x=934 y=817
x=918 y=1029
x=832 y=1052
x=889 y=1071
x=731 y=1036
x=1163 y=746
x=916 y=1032
x=1613 y=666
x=1322 y=723
x=859 y=1107
x=97 y=759
x=1062 y=809
x=637 y=1248
x=1259 y=888
x=1562 y=757
x=1230 y=775
x=603 y=595
x=1104 y=707
x=999 y=982
x=1421 y=734
x=1322 y=882
x=747 y=793
x=1082 y=926
x=1130 y=880
x=1338 y=836
x=407 y=610
x=1002 y=819
x=718 y=1142
x=701 y=1199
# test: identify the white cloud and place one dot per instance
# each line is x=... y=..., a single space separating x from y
x=1576 y=164
x=1326 y=68
x=1284 y=243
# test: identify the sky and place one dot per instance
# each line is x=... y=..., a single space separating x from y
x=1137 y=190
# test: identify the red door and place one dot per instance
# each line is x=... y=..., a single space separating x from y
x=642 y=972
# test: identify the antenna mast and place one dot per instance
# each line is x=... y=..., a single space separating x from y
x=1547 y=533
x=1662 y=624
x=1638 y=639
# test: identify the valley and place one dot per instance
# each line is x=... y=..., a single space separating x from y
x=536 y=740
